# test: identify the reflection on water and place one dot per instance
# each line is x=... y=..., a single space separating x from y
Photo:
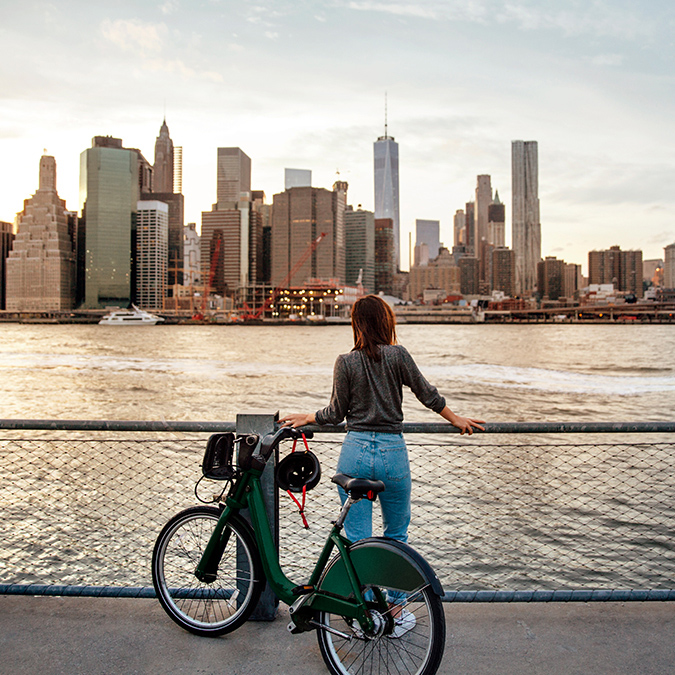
x=486 y=513
x=501 y=373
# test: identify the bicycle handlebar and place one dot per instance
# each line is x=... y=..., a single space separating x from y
x=272 y=440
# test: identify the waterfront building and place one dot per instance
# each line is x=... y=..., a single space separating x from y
x=384 y=256
x=669 y=266
x=525 y=223
x=551 y=278
x=299 y=216
x=191 y=256
x=360 y=248
x=152 y=251
x=112 y=179
x=297 y=178
x=6 y=239
x=428 y=232
x=41 y=265
x=504 y=270
x=468 y=275
x=231 y=233
x=623 y=269
x=441 y=273
x=385 y=152
x=459 y=228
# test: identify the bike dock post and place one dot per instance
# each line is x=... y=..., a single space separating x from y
x=261 y=424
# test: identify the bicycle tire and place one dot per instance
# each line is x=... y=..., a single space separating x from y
x=418 y=651
x=207 y=609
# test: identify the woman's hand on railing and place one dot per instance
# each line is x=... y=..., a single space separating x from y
x=464 y=424
x=297 y=420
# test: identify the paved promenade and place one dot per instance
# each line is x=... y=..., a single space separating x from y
x=91 y=636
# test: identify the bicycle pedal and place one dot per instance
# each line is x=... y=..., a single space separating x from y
x=303 y=590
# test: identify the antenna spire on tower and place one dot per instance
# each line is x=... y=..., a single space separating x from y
x=385 y=115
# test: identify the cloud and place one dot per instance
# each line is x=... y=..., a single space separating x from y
x=608 y=60
x=473 y=10
x=133 y=35
x=169 y=7
x=597 y=17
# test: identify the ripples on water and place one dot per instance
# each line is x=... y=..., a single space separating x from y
x=527 y=373
x=500 y=373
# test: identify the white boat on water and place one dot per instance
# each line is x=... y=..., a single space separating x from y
x=130 y=317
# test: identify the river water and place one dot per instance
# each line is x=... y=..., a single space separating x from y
x=504 y=373
x=488 y=512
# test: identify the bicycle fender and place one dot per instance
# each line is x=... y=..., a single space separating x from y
x=379 y=561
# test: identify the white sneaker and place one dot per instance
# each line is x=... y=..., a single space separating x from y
x=403 y=623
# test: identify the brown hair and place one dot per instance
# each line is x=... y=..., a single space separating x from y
x=373 y=324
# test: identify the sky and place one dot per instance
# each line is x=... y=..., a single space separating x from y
x=302 y=84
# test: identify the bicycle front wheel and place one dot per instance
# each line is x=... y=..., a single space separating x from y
x=203 y=608
x=409 y=639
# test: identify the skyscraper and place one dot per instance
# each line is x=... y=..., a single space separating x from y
x=482 y=204
x=428 y=232
x=163 y=168
x=6 y=240
x=166 y=187
x=360 y=248
x=669 y=266
x=299 y=216
x=503 y=270
x=459 y=228
x=297 y=178
x=231 y=236
x=384 y=256
x=386 y=187
x=152 y=249
x=234 y=175
x=526 y=227
x=41 y=264
x=111 y=181
x=496 y=222
x=614 y=266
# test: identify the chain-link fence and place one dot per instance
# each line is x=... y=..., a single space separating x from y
x=490 y=516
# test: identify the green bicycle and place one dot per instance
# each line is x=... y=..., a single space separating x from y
x=375 y=604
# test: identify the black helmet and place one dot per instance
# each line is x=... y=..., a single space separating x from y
x=298 y=470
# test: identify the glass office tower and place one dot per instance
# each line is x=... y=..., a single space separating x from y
x=386 y=188
x=109 y=192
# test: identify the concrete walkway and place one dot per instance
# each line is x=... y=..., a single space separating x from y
x=91 y=636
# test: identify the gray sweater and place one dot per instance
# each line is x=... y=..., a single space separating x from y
x=369 y=393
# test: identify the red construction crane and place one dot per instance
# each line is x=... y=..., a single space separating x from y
x=198 y=316
x=251 y=315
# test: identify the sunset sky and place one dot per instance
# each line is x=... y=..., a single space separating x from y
x=301 y=84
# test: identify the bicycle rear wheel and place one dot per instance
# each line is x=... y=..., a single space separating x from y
x=206 y=608
x=414 y=645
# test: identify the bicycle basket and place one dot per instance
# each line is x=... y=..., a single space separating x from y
x=217 y=462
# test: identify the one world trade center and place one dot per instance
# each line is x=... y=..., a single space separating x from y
x=386 y=187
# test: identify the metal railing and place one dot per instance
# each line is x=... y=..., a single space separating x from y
x=522 y=512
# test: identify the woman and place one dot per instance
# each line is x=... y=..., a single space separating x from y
x=367 y=391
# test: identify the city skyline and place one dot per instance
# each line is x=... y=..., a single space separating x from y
x=574 y=79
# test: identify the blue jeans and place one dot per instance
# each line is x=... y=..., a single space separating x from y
x=378 y=456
